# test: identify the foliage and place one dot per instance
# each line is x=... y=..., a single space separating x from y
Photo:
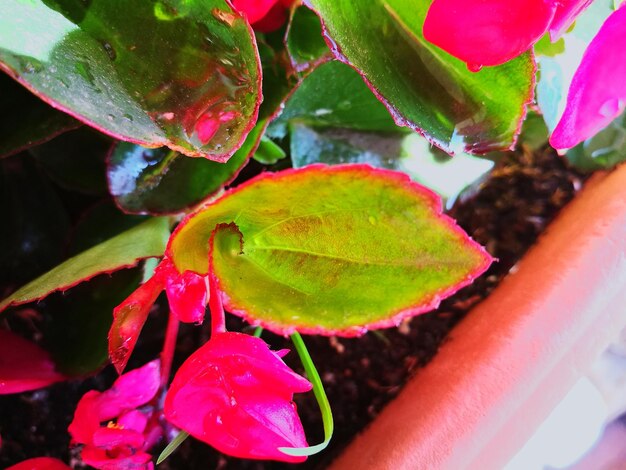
x=135 y=142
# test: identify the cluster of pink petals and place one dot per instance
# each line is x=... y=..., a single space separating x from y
x=235 y=394
x=40 y=463
x=264 y=15
x=24 y=366
x=491 y=32
x=114 y=432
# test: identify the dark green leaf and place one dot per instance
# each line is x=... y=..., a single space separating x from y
x=425 y=88
x=161 y=181
x=268 y=152
x=25 y=120
x=125 y=250
x=181 y=73
x=334 y=95
x=304 y=40
x=76 y=160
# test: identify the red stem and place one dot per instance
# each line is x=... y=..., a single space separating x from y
x=218 y=320
x=169 y=346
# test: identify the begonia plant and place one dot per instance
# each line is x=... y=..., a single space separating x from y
x=254 y=156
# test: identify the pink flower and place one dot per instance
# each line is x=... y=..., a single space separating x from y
x=264 y=15
x=24 y=366
x=491 y=32
x=235 y=394
x=122 y=443
x=187 y=297
x=40 y=463
x=597 y=94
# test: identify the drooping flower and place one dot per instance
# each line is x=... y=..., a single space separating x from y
x=40 y=463
x=597 y=94
x=24 y=366
x=491 y=32
x=235 y=394
x=114 y=432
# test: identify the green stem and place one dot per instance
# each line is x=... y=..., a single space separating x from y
x=322 y=401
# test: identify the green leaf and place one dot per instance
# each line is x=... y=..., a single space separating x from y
x=76 y=160
x=180 y=73
x=125 y=250
x=333 y=95
x=408 y=153
x=268 y=152
x=25 y=120
x=602 y=151
x=425 y=88
x=304 y=40
x=161 y=181
x=80 y=321
x=172 y=446
x=35 y=223
x=355 y=248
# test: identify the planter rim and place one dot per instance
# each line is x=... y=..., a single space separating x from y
x=515 y=355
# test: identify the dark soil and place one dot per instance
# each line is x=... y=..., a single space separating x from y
x=505 y=213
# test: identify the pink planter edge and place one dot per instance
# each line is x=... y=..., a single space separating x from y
x=513 y=358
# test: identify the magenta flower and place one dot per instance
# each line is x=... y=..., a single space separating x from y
x=24 y=366
x=597 y=94
x=235 y=394
x=128 y=433
x=491 y=32
x=40 y=463
x=264 y=15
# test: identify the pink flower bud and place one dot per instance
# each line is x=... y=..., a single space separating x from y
x=235 y=394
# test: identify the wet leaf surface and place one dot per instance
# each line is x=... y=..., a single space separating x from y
x=425 y=88
x=169 y=72
x=357 y=248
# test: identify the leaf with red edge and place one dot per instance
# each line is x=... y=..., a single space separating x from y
x=184 y=74
x=356 y=248
x=423 y=87
x=122 y=251
x=597 y=94
x=24 y=366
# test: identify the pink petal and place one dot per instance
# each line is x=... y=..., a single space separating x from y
x=565 y=15
x=487 y=32
x=129 y=318
x=253 y=10
x=186 y=293
x=111 y=437
x=597 y=94
x=133 y=420
x=86 y=418
x=40 y=463
x=235 y=394
x=131 y=390
x=100 y=459
x=24 y=366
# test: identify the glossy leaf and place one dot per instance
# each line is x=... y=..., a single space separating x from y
x=423 y=87
x=170 y=72
x=76 y=160
x=278 y=77
x=333 y=95
x=304 y=40
x=125 y=250
x=24 y=365
x=408 y=153
x=161 y=181
x=25 y=120
x=356 y=248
